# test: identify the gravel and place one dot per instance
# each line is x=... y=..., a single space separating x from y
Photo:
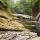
x=14 y=35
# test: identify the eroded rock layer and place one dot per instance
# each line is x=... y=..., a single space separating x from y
x=7 y=21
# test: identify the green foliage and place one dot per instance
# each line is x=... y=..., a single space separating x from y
x=24 y=6
x=3 y=1
x=10 y=4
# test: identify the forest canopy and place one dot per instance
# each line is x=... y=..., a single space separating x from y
x=22 y=6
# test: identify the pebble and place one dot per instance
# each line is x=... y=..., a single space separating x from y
x=24 y=35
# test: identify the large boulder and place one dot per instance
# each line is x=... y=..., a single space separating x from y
x=9 y=22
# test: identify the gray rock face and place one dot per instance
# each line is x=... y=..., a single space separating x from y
x=12 y=35
x=38 y=22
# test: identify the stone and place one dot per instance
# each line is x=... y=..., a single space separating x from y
x=15 y=35
x=0 y=36
x=37 y=38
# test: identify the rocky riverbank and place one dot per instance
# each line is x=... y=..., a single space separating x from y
x=17 y=35
x=12 y=23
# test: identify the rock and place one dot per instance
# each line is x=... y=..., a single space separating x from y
x=12 y=24
x=0 y=36
x=14 y=35
x=33 y=35
x=7 y=21
x=37 y=38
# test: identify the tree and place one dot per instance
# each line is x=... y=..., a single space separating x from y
x=25 y=6
x=35 y=9
x=9 y=3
